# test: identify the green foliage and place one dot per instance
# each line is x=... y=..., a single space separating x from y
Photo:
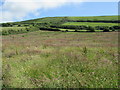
x=6 y=25
x=106 y=29
x=91 y=29
x=17 y=30
x=5 y=33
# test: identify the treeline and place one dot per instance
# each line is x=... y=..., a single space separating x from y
x=85 y=27
x=24 y=24
x=6 y=25
x=14 y=24
x=49 y=29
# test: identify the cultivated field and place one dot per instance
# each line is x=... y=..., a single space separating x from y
x=47 y=59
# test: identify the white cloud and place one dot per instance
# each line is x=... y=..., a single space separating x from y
x=18 y=9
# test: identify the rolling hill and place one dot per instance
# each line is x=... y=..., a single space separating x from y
x=90 y=24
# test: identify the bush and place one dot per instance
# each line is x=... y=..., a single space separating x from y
x=6 y=25
x=111 y=28
x=82 y=27
x=91 y=29
x=50 y=29
x=106 y=30
x=76 y=30
x=101 y=27
x=116 y=27
x=5 y=33
x=66 y=30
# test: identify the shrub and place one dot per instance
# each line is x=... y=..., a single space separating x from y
x=6 y=25
x=49 y=29
x=116 y=27
x=76 y=30
x=106 y=30
x=91 y=29
x=5 y=33
x=19 y=25
x=111 y=28
x=66 y=30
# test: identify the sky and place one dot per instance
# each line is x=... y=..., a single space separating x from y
x=20 y=10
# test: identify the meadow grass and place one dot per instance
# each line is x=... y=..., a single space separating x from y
x=58 y=19
x=90 y=24
x=95 y=18
x=60 y=60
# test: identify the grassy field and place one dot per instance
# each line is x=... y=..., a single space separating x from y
x=60 y=60
x=57 y=19
x=90 y=24
x=95 y=18
x=67 y=18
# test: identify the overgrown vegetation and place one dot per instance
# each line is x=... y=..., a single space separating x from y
x=17 y=30
x=44 y=59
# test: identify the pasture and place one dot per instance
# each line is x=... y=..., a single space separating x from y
x=95 y=18
x=44 y=59
x=90 y=24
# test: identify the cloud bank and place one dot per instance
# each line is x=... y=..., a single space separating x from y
x=14 y=10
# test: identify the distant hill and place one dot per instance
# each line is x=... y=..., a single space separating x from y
x=93 y=23
x=61 y=19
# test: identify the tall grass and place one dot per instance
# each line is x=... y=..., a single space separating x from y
x=60 y=60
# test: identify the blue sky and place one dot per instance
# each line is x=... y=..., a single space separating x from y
x=84 y=9
x=16 y=11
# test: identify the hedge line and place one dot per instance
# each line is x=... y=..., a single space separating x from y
x=83 y=27
x=49 y=29
x=55 y=28
x=18 y=31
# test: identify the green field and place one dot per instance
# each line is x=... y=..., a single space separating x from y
x=95 y=18
x=57 y=19
x=44 y=59
x=90 y=24
x=60 y=52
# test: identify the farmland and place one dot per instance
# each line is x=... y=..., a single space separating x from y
x=86 y=24
x=96 y=18
x=61 y=52
x=90 y=24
